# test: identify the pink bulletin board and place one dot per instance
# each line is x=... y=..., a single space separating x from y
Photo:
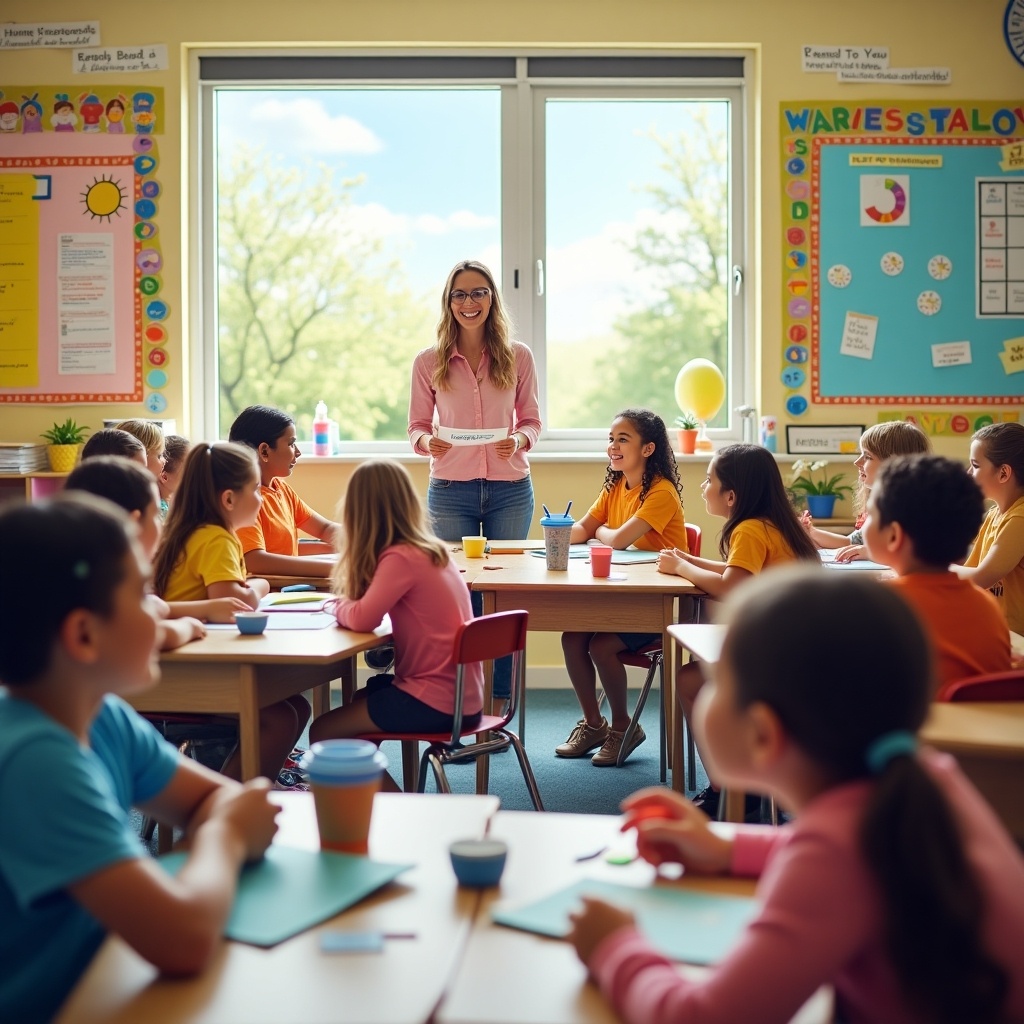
x=79 y=263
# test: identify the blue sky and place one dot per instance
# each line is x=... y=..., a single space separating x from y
x=431 y=161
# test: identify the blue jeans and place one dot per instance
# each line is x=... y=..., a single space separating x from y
x=499 y=509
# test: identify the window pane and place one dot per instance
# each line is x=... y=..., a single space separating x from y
x=636 y=250
x=339 y=214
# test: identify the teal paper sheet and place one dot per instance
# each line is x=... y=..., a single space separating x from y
x=575 y=551
x=618 y=557
x=291 y=890
x=688 y=926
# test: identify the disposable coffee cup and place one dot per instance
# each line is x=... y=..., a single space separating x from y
x=557 y=538
x=344 y=776
x=474 y=546
x=600 y=560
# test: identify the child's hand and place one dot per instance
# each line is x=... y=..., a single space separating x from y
x=222 y=609
x=807 y=522
x=851 y=553
x=196 y=629
x=670 y=830
x=591 y=925
x=248 y=812
x=671 y=561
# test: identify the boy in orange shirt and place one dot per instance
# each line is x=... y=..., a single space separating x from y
x=923 y=512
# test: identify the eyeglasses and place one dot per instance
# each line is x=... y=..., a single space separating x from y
x=477 y=295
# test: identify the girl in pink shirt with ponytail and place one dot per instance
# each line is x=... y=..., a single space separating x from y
x=895 y=883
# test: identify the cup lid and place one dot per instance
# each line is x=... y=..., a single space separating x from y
x=557 y=520
x=350 y=760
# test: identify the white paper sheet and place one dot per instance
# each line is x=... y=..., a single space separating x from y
x=460 y=436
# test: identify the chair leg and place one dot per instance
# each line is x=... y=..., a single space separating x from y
x=410 y=756
x=691 y=757
x=439 y=776
x=641 y=700
x=527 y=769
x=662 y=731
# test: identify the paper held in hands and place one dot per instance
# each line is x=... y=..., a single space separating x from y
x=461 y=436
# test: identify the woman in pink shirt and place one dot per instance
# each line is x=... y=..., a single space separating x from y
x=390 y=563
x=896 y=883
x=476 y=378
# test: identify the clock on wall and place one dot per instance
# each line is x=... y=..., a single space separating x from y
x=1013 y=29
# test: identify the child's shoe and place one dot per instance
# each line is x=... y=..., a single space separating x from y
x=609 y=752
x=583 y=739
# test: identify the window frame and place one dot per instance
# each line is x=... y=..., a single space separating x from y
x=557 y=72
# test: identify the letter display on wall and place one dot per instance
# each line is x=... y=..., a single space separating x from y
x=80 y=257
x=903 y=234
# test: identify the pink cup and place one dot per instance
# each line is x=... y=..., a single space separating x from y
x=600 y=560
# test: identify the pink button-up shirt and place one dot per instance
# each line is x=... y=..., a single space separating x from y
x=474 y=401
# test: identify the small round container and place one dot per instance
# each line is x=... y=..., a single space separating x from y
x=478 y=863
x=474 y=547
x=251 y=623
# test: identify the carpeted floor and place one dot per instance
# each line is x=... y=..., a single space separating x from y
x=565 y=784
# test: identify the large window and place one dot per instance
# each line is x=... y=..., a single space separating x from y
x=605 y=193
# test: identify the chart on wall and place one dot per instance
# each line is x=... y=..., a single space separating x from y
x=82 y=318
x=903 y=227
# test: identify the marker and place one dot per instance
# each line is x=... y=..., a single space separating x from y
x=297 y=599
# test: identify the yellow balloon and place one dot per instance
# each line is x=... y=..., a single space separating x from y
x=700 y=388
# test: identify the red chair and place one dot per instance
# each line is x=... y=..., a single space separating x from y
x=996 y=686
x=482 y=639
x=652 y=658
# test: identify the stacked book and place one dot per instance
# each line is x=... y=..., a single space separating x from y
x=16 y=457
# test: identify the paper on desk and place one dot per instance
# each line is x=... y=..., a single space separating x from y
x=688 y=926
x=459 y=436
x=295 y=602
x=828 y=559
x=292 y=890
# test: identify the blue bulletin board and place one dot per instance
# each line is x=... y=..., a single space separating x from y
x=905 y=256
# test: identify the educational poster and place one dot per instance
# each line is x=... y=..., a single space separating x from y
x=903 y=228
x=79 y=247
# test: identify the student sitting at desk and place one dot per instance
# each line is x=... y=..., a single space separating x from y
x=152 y=438
x=895 y=883
x=200 y=559
x=175 y=449
x=76 y=635
x=641 y=503
x=878 y=443
x=922 y=513
x=271 y=544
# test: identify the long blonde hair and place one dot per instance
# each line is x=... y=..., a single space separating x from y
x=884 y=440
x=380 y=508
x=497 y=333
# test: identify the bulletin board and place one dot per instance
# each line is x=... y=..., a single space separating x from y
x=903 y=226
x=82 y=319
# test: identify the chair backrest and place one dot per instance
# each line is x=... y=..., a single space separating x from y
x=1005 y=686
x=484 y=639
x=693 y=539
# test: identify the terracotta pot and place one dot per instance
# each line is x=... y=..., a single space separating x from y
x=687 y=441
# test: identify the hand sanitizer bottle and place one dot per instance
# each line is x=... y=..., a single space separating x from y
x=321 y=431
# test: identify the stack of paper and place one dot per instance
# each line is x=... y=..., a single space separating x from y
x=16 y=457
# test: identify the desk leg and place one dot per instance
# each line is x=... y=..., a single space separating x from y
x=483 y=764
x=347 y=675
x=321 y=699
x=249 y=724
x=673 y=716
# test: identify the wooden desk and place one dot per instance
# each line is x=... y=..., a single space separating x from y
x=703 y=640
x=987 y=740
x=512 y=977
x=294 y=981
x=644 y=602
x=227 y=673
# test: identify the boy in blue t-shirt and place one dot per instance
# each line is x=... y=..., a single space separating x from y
x=75 y=636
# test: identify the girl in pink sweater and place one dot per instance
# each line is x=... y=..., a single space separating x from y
x=390 y=563
x=895 y=884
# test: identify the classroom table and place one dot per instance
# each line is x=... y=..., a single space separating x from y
x=294 y=981
x=228 y=673
x=508 y=976
x=643 y=602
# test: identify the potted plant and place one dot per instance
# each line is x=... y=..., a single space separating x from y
x=820 y=494
x=687 y=424
x=64 y=442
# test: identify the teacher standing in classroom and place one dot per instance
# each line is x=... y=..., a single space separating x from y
x=476 y=378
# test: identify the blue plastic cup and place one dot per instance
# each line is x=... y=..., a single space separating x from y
x=557 y=540
x=478 y=863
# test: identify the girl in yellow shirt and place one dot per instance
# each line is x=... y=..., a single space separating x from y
x=200 y=557
x=761 y=529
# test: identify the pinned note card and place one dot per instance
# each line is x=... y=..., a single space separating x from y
x=1012 y=356
x=292 y=890
x=859 y=332
x=685 y=925
x=951 y=353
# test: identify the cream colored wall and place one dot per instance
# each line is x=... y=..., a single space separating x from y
x=966 y=38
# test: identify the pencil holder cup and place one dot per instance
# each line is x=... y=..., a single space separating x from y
x=557 y=540
x=251 y=623
x=478 y=863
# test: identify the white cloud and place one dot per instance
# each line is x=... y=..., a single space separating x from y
x=302 y=125
x=376 y=220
